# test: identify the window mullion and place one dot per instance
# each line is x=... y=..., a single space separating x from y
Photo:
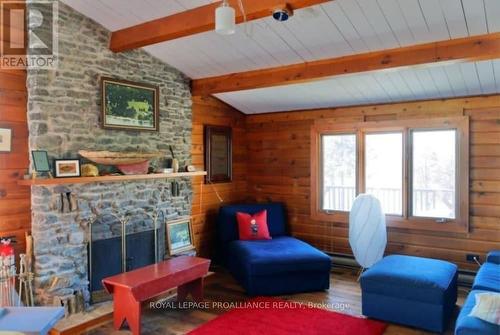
x=406 y=173
x=361 y=162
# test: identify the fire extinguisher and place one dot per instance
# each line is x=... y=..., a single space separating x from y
x=7 y=255
x=7 y=272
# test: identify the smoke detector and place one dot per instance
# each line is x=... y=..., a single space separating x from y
x=282 y=14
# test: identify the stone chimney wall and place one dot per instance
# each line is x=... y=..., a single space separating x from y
x=64 y=108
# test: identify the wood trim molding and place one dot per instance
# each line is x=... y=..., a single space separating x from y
x=194 y=21
x=475 y=48
x=110 y=178
x=315 y=203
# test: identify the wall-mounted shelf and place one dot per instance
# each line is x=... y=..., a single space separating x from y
x=107 y=179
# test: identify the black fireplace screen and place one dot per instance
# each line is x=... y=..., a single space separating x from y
x=110 y=253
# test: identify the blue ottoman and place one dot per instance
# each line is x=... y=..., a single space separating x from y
x=412 y=291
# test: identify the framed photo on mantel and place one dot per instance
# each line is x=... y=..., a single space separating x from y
x=128 y=105
x=64 y=168
x=218 y=154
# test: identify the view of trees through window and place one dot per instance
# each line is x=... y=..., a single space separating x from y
x=434 y=173
x=384 y=170
x=339 y=171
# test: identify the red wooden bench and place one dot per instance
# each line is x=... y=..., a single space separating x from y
x=129 y=289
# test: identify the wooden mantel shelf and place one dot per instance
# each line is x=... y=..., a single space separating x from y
x=105 y=179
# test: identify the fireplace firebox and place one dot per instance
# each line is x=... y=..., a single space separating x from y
x=120 y=244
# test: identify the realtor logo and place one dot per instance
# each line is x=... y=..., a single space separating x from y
x=28 y=34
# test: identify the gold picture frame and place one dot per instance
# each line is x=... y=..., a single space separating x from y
x=179 y=235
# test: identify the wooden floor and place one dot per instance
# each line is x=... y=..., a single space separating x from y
x=344 y=296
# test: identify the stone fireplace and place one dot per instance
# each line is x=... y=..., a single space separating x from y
x=124 y=243
x=64 y=109
x=63 y=240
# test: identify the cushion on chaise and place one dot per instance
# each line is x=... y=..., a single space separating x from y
x=227 y=225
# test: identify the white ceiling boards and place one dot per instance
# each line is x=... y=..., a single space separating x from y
x=333 y=29
x=436 y=82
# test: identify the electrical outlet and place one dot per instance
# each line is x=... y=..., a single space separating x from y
x=472 y=258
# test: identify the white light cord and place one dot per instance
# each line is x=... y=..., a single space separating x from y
x=242 y=9
x=247 y=27
x=216 y=193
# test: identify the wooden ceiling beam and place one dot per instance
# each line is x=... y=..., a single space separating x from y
x=475 y=48
x=194 y=21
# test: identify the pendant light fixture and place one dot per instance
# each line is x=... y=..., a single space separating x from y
x=225 y=19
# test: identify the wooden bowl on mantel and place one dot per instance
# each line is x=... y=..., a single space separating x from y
x=127 y=162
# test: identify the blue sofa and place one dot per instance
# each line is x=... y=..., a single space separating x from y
x=282 y=265
x=413 y=291
x=487 y=280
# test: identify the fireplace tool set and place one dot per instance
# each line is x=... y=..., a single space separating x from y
x=8 y=294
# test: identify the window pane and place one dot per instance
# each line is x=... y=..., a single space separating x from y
x=434 y=173
x=339 y=171
x=384 y=170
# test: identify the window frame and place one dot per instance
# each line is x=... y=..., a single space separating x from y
x=410 y=174
x=321 y=170
x=407 y=220
x=404 y=186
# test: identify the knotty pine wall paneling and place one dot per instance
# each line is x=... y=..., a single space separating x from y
x=15 y=208
x=282 y=143
x=206 y=203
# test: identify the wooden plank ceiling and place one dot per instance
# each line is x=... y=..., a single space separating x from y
x=333 y=29
x=194 y=21
x=455 y=80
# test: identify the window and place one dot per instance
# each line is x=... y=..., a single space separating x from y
x=418 y=169
x=434 y=173
x=339 y=171
x=384 y=170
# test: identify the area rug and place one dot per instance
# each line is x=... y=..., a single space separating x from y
x=272 y=316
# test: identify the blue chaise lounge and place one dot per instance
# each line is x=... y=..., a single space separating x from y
x=282 y=265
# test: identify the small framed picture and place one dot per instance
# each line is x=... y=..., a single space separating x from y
x=5 y=140
x=179 y=236
x=218 y=154
x=64 y=168
x=41 y=160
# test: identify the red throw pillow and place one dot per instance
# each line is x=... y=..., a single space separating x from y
x=253 y=227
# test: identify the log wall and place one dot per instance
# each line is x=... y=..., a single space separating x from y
x=210 y=111
x=15 y=215
x=279 y=168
